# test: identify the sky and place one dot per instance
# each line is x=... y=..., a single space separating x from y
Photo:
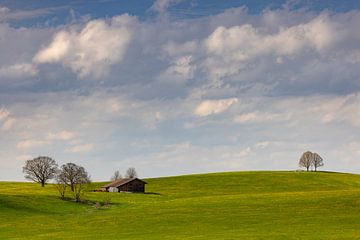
x=175 y=87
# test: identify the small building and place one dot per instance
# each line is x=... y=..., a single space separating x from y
x=125 y=185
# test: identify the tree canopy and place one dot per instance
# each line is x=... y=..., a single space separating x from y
x=309 y=159
x=40 y=169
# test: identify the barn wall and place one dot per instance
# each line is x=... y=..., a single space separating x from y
x=133 y=186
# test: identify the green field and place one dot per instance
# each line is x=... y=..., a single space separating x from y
x=238 y=205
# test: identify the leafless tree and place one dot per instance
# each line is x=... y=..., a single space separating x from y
x=306 y=160
x=131 y=173
x=61 y=187
x=40 y=169
x=79 y=189
x=72 y=174
x=317 y=161
x=116 y=176
x=107 y=200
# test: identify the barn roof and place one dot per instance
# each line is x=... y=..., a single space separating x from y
x=122 y=181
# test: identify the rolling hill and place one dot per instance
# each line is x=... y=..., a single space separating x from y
x=235 y=205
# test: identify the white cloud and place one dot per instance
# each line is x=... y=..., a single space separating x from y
x=18 y=70
x=62 y=135
x=82 y=148
x=30 y=144
x=176 y=49
x=341 y=109
x=261 y=117
x=229 y=49
x=306 y=62
x=57 y=50
x=245 y=41
x=210 y=107
x=244 y=153
x=263 y=144
x=162 y=5
x=180 y=71
x=4 y=113
x=8 y=124
x=114 y=106
x=9 y=14
x=4 y=10
x=93 y=49
x=248 y=117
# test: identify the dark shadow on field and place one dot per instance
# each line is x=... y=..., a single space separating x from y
x=153 y=193
x=90 y=202
x=32 y=204
x=27 y=204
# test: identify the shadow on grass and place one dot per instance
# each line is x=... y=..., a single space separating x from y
x=153 y=193
x=88 y=202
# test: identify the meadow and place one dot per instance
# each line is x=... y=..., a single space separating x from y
x=234 y=205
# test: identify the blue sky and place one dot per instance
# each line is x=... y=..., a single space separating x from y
x=177 y=87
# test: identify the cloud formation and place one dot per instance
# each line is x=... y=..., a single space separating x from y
x=21 y=70
x=210 y=107
x=91 y=50
x=231 y=91
x=161 y=6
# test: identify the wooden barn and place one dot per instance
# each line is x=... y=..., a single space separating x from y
x=125 y=185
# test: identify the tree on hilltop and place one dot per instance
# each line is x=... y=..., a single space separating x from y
x=306 y=160
x=317 y=161
x=72 y=174
x=40 y=169
x=309 y=160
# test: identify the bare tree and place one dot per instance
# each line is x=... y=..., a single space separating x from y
x=79 y=189
x=116 y=176
x=131 y=173
x=317 y=161
x=306 y=160
x=61 y=187
x=72 y=174
x=40 y=169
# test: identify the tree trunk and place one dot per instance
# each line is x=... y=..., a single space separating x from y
x=43 y=183
x=72 y=187
x=307 y=169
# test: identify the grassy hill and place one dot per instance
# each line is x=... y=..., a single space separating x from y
x=238 y=205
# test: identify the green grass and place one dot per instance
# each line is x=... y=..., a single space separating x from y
x=238 y=205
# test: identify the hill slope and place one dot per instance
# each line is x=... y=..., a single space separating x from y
x=238 y=205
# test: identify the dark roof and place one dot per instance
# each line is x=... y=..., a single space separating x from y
x=120 y=182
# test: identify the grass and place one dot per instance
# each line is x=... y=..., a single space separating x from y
x=237 y=205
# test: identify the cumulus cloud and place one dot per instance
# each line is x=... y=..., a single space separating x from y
x=210 y=107
x=180 y=71
x=93 y=49
x=295 y=73
x=246 y=41
x=18 y=71
x=82 y=148
x=230 y=48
